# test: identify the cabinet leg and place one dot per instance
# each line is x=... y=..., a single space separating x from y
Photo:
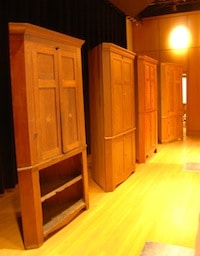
x=85 y=178
x=31 y=211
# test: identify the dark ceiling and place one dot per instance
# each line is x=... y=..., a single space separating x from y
x=148 y=8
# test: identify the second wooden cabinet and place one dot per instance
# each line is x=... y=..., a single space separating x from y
x=146 y=107
x=112 y=114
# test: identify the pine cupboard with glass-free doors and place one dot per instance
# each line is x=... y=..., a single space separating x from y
x=112 y=114
x=147 y=107
x=171 y=106
x=49 y=129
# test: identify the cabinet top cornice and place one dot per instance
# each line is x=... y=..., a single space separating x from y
x=30 y=31
x=147 y=58
x=111 y=47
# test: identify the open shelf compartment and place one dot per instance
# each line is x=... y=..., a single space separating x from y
x=57 y=175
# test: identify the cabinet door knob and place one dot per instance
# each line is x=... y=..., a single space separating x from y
x=35 y=135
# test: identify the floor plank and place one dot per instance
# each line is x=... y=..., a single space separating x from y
x=160 y=202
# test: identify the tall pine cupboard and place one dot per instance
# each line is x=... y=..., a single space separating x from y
x=112 y=114
x=146 y=107
x=49 y=129
x=171 y=106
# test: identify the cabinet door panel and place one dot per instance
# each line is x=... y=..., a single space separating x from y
x=129 y=153
x=69 y=119
x=151 y=130
x=170 y=83
x=122 y=94
x=147 y=87
x=178 y=90
x=123 y=157
x=171 y=102
x=150 y=87
x=148 y=131
x=128 y=94
x=154 y=129
x=117 y=94
x=118 y=160
x=48 y=121
x=46 y=102
x=69 y=104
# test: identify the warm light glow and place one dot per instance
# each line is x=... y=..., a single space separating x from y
x=180 y=38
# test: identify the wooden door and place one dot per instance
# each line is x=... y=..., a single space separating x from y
x=150 y=99
x=148 y=133
x=128 y=94
x=116 y=93
x=69 y=99
x=122 y=93
x=129 y=154
x=123 y=157
x=150 y=87
x=118 y=160
x=47 y=107
x=171 y=102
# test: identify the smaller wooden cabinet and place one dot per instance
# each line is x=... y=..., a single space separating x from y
x=171 y=106
x=112 y=114
x=146 y=107
x=49 y=129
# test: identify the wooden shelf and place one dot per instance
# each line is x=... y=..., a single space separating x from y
x=59 y=187
x=64 y=217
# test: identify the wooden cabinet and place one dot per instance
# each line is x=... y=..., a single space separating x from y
x=146 y=107
x=112 y=114
x=49 y=129
x=171 y=106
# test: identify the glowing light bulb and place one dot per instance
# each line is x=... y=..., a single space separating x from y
x=180 y=38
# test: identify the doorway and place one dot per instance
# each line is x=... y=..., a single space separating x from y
x=184 y=100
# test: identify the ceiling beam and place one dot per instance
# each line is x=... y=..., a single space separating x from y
x=131 y=7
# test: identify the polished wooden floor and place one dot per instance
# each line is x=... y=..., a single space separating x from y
x=159 y=202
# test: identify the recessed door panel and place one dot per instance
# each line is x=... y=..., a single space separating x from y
x=46 y=102
x=69 y=100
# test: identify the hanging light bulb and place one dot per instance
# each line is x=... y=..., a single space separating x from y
x=180 y=38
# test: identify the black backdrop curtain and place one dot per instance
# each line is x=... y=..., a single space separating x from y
x=95 y=21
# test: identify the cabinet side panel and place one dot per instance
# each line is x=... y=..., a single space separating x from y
x=19 y=100
x=97 y=115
